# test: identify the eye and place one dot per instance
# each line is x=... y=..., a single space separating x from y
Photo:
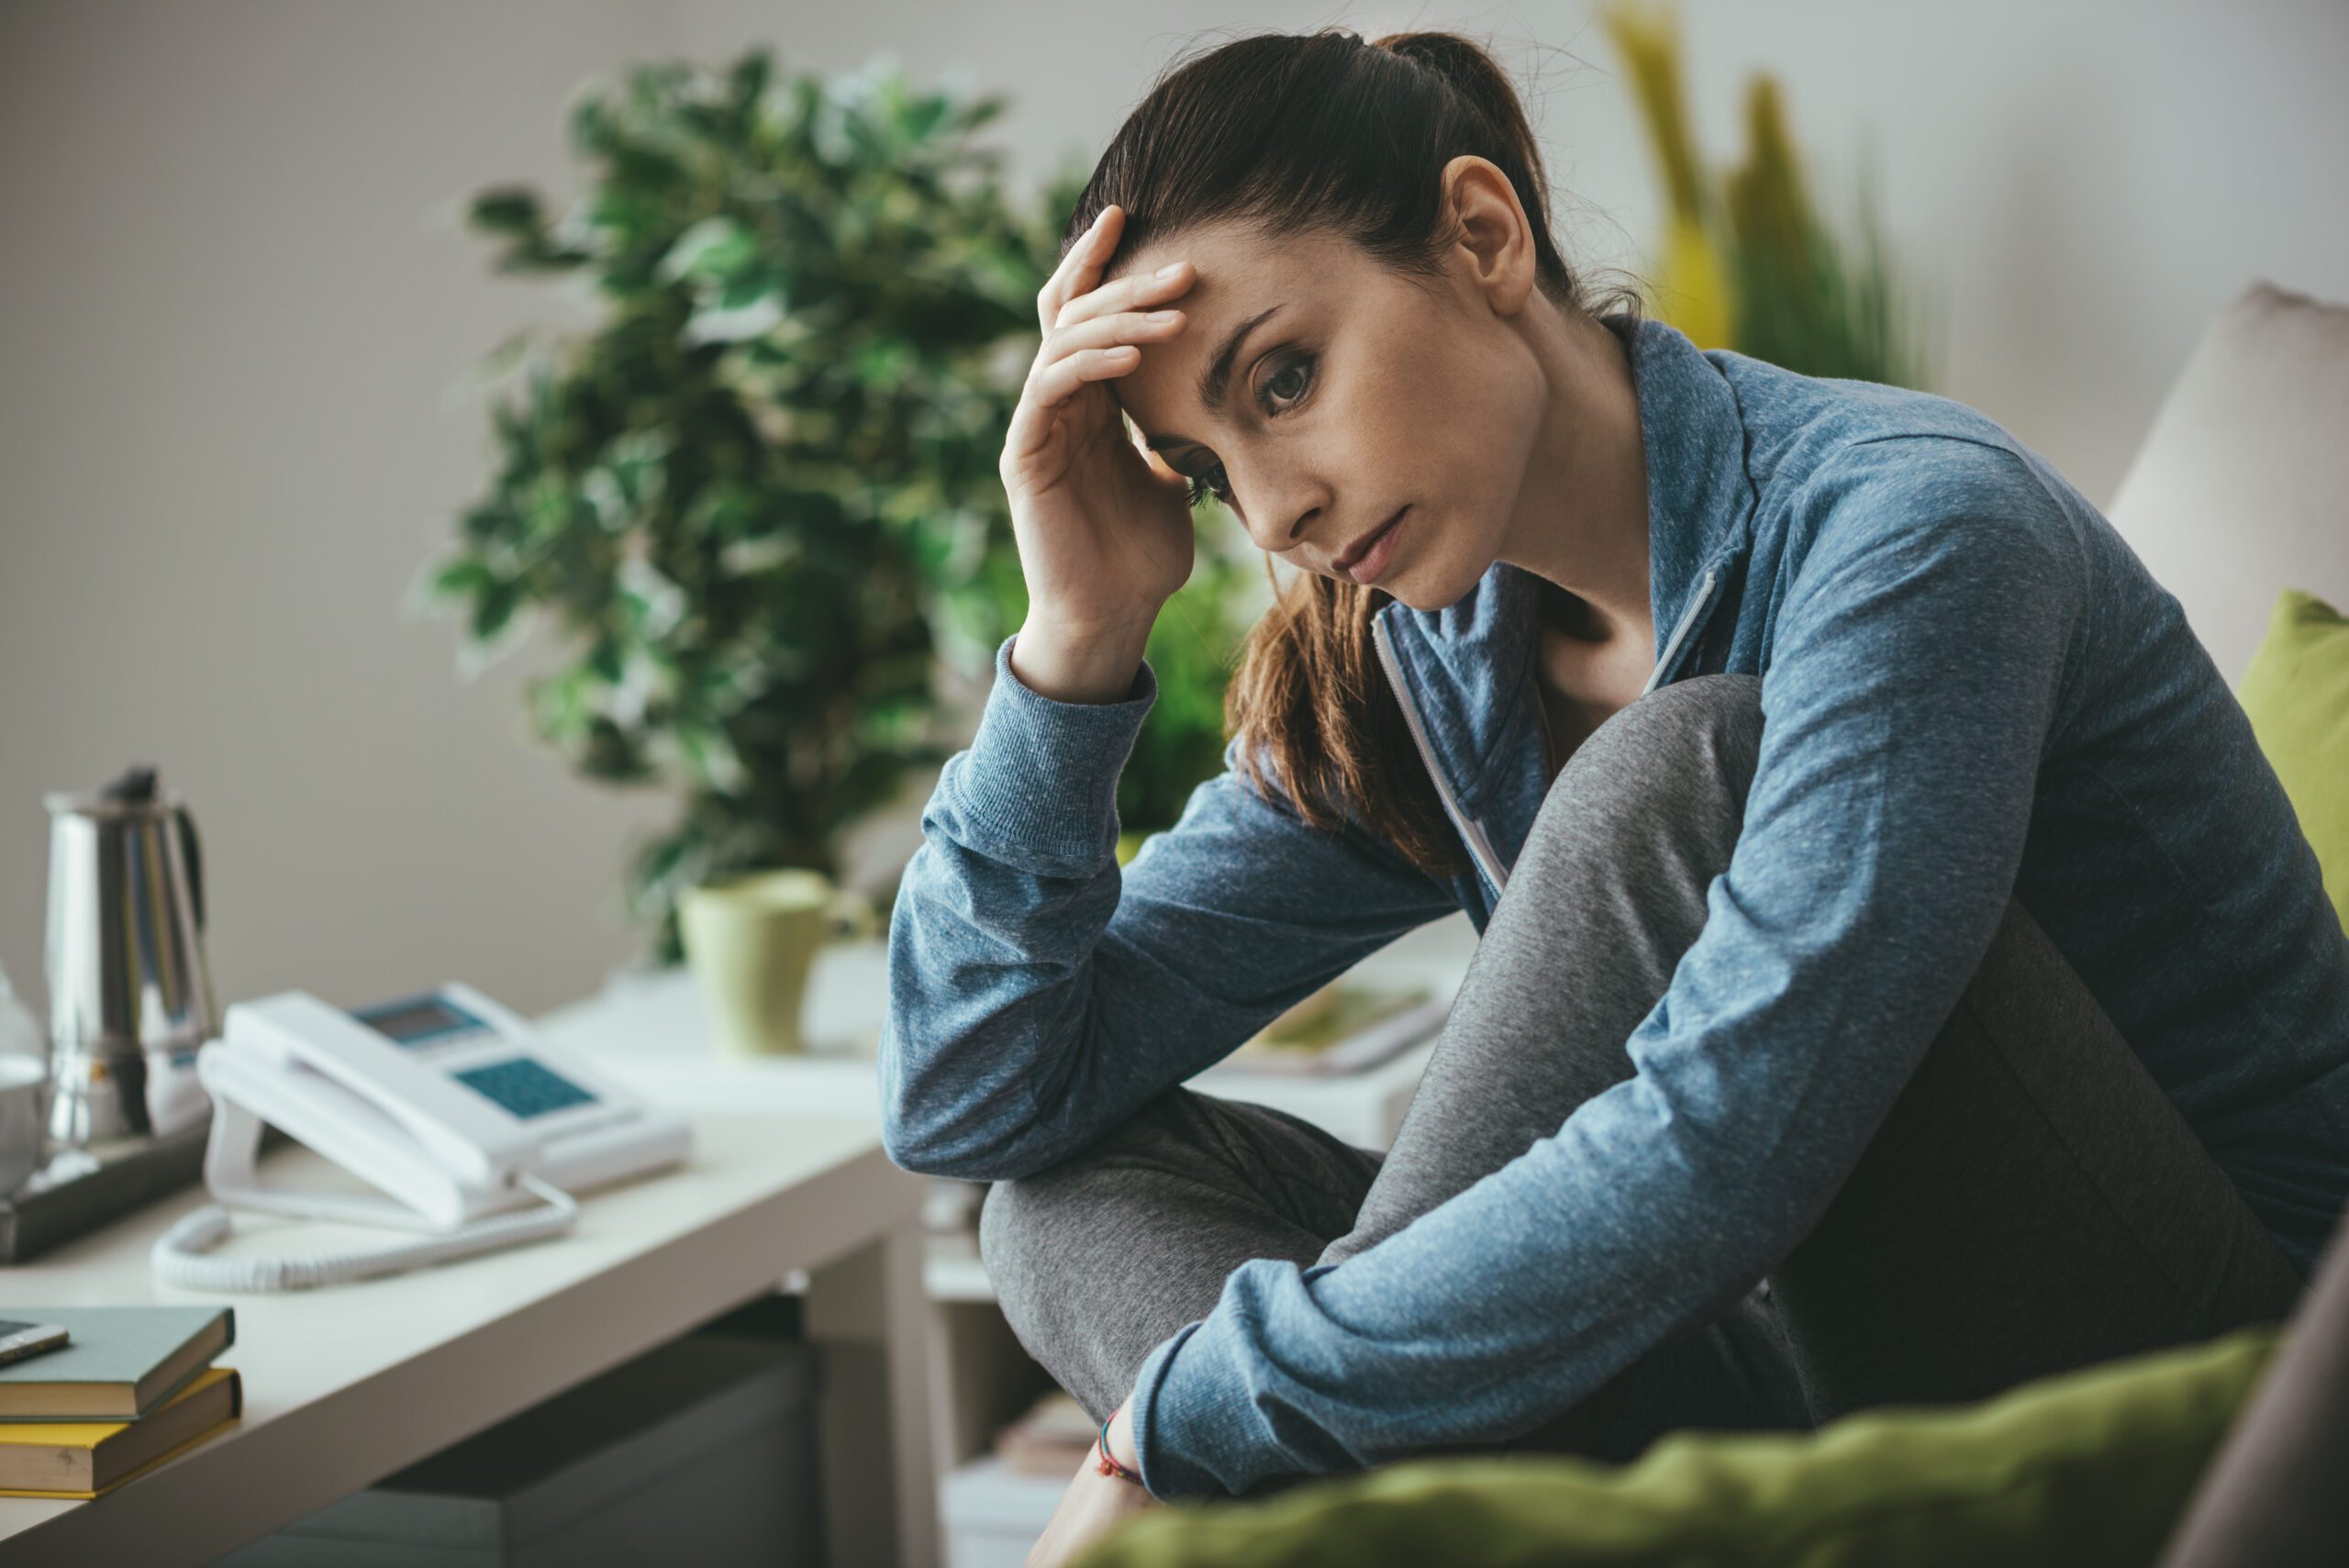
x=1295 y=374
x=1295 y=371
x=1201 y=488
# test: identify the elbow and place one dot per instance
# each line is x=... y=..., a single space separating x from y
x=908 y=1152
x=928 y=1149
x=931 y=1129
x=912 y=1144
x=912 y=1135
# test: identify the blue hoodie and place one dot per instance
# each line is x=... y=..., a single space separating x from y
x=1970 y=688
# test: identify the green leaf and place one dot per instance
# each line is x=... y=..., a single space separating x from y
x=463 y=578
x=493 y=607
x=507 y=209
x=716 y=248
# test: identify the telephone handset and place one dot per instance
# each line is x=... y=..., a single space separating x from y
x=445 y=1100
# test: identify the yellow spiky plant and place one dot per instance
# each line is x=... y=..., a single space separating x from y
x=1690 y=283
x=1747 y=263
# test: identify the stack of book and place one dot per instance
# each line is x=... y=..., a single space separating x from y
x=132 y=1387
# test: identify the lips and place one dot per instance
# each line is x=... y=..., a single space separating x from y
x=1361 y=545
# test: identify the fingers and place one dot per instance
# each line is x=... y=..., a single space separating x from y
x=1126 y=293
x=1111 y=331
x=1091 y=333
x=1070 y=295
x=1057 y=381
x=1081 y=267
x=1050 y=385
x=1095 y=350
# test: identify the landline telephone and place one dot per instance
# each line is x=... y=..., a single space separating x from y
x=445 y=1100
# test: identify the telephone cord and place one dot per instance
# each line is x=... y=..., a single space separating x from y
x=178 y=1253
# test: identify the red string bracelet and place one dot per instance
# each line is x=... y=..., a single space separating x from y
x=1106 y=1462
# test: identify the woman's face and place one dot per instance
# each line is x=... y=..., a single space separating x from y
x=1348 y=392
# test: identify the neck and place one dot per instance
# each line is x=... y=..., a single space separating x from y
x=1594 y=546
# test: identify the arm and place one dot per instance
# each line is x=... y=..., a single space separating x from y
x=1040 y=994
x=1917 y=667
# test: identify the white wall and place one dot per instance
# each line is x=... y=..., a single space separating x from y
x=233 y=306
x=231 y=309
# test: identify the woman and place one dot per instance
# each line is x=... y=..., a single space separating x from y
x=1910 y=979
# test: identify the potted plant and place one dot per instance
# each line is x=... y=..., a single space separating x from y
x=758 y=502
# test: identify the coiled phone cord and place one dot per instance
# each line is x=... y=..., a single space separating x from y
x=178 y=1253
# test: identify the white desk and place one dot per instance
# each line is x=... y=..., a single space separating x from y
x=346 y=1384
x=649 y=1030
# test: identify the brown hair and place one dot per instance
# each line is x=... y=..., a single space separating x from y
x=1322 y=133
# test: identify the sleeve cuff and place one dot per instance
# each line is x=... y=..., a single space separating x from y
x=1198 y=1431
x=1039 y=778
x=1166 y=1472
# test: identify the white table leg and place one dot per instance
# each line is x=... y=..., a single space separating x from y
x=866 y=1312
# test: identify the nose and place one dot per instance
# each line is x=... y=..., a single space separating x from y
x=1280 y=508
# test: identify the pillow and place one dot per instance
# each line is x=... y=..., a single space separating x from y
x=2297 y=691
x=2238 y=485
x=2086 y=1468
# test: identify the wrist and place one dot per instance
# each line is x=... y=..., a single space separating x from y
x=1121 y=1437
x=1113 y=1451
x=1083 y=666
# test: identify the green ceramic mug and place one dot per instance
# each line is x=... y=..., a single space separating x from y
x=752 y=941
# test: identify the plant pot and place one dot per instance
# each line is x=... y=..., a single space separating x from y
x=750 y=941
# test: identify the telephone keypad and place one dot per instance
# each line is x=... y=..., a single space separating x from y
x=523 y=1086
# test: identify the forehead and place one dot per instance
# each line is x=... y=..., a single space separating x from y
x=1236 y=275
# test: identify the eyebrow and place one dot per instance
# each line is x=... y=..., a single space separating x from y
x=1213 y=379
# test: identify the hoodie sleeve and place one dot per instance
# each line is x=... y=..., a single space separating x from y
x=1040 y=993
x=1916 y=669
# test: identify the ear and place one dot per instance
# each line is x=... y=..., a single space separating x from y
x=1495 y=239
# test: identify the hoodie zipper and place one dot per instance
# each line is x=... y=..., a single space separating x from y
x=1703 y=596
x=1471 y=833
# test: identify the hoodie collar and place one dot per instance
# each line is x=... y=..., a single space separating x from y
x=1700 y=505
x=1700 y=494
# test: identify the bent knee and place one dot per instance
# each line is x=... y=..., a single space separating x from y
x=1695 y=735
x=1703 y=719
x=1679 y=757
x=1026 y=1219
x=1009 y=1217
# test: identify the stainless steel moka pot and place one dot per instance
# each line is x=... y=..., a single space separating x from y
x=129 y=993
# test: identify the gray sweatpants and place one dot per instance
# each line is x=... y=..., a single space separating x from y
x=2032 y=1202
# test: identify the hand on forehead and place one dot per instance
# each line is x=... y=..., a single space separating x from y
x=1237 y=279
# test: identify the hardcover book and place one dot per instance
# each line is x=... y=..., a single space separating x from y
x=121 y=1362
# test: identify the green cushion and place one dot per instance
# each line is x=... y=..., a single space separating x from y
x=2091 y=1467
x=2297 y=691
